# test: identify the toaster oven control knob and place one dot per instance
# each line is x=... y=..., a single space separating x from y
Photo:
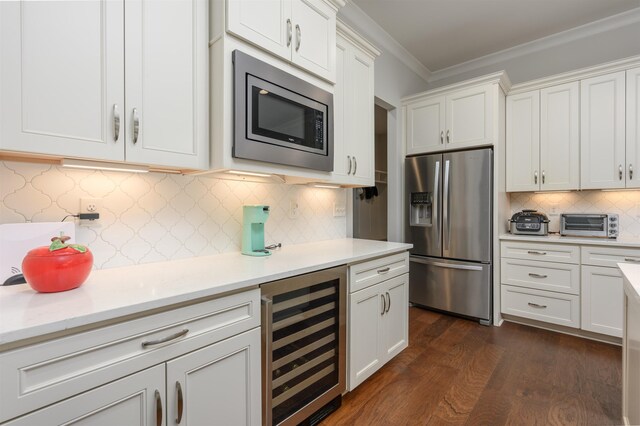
x=613 y=218
x=613 y=225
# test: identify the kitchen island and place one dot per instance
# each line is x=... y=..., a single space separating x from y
x=631 y=345
x=133 y=343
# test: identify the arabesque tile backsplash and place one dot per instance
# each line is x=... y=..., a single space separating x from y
x=624 y=203
x=155 y=216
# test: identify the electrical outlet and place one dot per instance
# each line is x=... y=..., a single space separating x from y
x=90 y=205
x=339 y=210
x=294 y=209
x=554 y=210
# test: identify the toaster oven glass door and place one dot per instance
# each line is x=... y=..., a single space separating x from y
x=587 y=224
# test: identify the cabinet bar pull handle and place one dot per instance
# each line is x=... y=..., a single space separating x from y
x=289 y=32
x=116 y=123
x=384 y=304
x=384 y=270
x=441 y=136
x=158 y=408
x=349 y=160
x=298 y=37
x=535 y=305
x=620 y=171
x=448 y=135
x=532 y=275
x=389 y=302
x=165 y=339
x=543 y=177
x=542 y=253
x=136 y=126
x=355 y=165
x=630 y=171
x=629 y=259
x=180 y=402
x=535 y=177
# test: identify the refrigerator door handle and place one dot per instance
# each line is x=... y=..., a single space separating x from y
x=445 y=207
x=445 y=265
x=436 y=190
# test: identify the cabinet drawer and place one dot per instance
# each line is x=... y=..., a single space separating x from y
x=538 y=251
x=362 y=275
x=555 y=308
x=561 y=277
x=609 y=256
x=43 y=373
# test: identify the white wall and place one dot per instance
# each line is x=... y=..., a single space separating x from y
x=394 y=79
x=607 y=40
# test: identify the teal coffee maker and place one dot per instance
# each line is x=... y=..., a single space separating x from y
x=253 y=219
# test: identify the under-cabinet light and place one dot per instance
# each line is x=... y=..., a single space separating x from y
x=99 y=165
x=322 y=185
x=238 y=172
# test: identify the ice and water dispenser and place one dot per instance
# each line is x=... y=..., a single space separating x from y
x=421 y=209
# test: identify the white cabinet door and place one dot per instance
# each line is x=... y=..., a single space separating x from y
x=560 y=137
x=219 y=384
x=362 y=140
x=469 y=117
x=395 y=322
x=265 y=23
x=366 y=308
x=167 y=83
x=523 y=142
x=633 y=128
x=341 y=157
x=62 y=78
x=425 y=125
x=138 y=399
x=602 y=132
x=314 y=37
x=602 y=298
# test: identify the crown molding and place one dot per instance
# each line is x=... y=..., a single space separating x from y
x=350 y=34
x=356 y=18
x=592 y=28
x=579 y=74
x=501 y=78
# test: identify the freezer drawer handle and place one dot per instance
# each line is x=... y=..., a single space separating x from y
x=541 y=253
x=535 y=305
x=165 y=339
x=532 y=275
x=384 y=270
x=446 y=265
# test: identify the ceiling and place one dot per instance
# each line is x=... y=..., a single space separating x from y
x=443 y=33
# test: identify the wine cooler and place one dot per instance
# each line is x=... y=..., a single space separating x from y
x=303 y=346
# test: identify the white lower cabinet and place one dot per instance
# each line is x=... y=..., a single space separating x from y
x=602 y=296
x=198 y=364
x=378 y=320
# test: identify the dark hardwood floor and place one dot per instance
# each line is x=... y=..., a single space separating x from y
x=458 y=372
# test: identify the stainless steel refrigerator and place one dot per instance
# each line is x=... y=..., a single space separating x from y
x=449 y=207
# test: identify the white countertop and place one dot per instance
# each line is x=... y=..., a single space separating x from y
x=556 y=238
x=632 y=280
x=112 y=293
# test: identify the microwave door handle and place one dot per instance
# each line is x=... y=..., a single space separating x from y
x=445 y=206
x=435 y=206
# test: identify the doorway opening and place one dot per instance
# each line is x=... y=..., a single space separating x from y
x=370 y=204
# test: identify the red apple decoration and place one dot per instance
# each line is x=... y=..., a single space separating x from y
x=58 y=267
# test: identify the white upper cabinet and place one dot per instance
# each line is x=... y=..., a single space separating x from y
x=460 y=116
x=633 y=128
x=602 y=117
x=559 y=137
x=523 y=142
x=469 y=117
x=425 y=125
x=300 y=31
x=167 y=91
x=354 y=103
x=63 y=80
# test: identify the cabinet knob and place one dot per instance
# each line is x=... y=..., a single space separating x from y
x=535 y=177
x=116 y=123
x=289 y=32
x=298 y=37
x=384 y=304
x=349 y=160
x=543 y=177
x=441 y=136
x=355 y=164
x=136 y=126
x=620 y=172
x=448 y=135
x=158 y=408
x=180 y=402
x=388 y=302
x=630 y=171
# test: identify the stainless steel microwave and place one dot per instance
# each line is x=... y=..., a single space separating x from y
x=589 y=225
x=279 y=118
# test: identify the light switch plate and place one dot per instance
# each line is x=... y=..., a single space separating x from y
x=339 y=210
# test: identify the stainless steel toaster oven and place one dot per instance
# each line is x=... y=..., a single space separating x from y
x=589 y=225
